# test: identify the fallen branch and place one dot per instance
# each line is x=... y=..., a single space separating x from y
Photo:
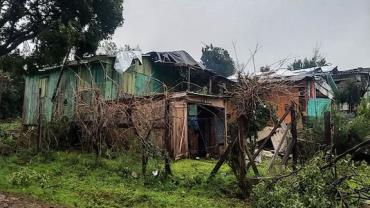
x=349 y=151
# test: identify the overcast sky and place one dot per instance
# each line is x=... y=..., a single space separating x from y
x=282 y=28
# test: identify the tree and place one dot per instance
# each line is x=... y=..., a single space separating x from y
x=4 y=81
x=316 y=61
x=12 y=89
x=58 y=25
x=108 y=47
x=218 y=60
x=351 y=94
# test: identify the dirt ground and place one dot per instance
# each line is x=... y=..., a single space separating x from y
x=14 y=201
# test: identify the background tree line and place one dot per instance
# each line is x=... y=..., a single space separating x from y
x=53 y=28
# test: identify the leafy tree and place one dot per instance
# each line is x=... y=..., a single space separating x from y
x=4 y=80
x=58 y=25
x=351 y=94
x=12 y=94
x=108 y=47
x=218 y=60
x=316 y=61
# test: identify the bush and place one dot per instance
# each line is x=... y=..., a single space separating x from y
x=313 y=187
x=26 y=176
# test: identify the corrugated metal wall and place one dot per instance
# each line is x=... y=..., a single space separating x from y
x=30 y=107
x=136 y=80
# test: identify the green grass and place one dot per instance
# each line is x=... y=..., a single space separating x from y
x=11 y=125
x=74 y=179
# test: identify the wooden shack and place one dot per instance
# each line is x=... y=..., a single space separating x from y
x=197 y=106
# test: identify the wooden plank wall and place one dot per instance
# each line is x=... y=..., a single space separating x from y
x=179 y=130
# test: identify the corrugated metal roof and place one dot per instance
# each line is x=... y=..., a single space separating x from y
x=295 y=75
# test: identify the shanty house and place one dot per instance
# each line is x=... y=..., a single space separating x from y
x=358 y=76
x=311 y=89
x=197 y=106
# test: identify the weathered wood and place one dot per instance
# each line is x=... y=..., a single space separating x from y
x=268 y=137
x=243 y=147
x=278 y=148
x=293 y=131
x=223 y=158
x=244 y=186
x=327 y=128
x=56 y=90
x=167 y=165
x=287 y=153
x=250 y=157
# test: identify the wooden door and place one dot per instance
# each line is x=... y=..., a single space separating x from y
x=179 y=129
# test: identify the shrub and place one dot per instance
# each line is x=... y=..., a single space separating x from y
x=26 y=176
x=313 y=187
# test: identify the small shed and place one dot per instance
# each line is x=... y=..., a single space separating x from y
x=198 y=124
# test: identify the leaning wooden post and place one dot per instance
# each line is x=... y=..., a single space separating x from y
x=245 y=148
x=167 y=166
x=242 y=172
x=327 y=128
x=266 y=138
x=39 y=128
x=144 y=156
x=293 y=131
x=278 y=148
x=223 y=158
x=287 y=153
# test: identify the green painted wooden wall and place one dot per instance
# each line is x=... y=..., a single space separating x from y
x=138 y=80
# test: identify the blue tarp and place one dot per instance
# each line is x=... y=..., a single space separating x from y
x=317 y=106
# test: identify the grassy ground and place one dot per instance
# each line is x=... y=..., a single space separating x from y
x=74 y=179
x=77 y=180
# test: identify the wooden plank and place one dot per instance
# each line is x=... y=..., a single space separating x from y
x=203 y=100
x=268 y=137
x=327 y=128
x=245 y=148
x=278 y=148
x=167 y=165
x=178 y=114
x=293 y=131
x=223 y=158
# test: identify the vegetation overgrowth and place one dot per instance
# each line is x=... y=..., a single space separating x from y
x=346 y=185
x=75 y=179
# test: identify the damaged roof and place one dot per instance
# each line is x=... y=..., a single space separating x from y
x=296 y=75
x=180 y=58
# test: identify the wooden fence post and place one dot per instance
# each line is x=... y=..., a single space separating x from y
x=167 y=166
x=278 y=148
x=327 y=127
x=293 y=131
